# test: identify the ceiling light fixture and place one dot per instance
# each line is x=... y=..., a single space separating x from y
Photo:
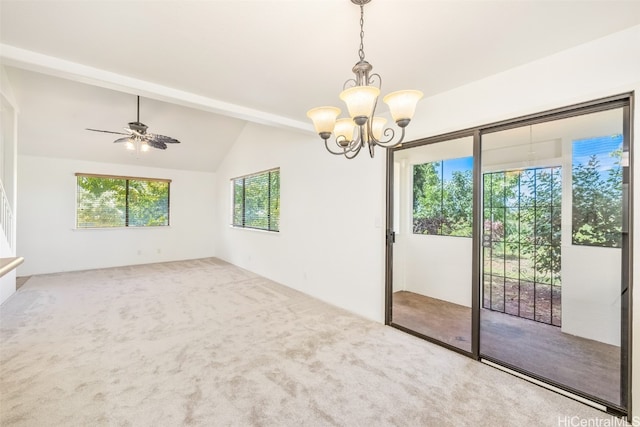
x=138 y=139
x=361 y=96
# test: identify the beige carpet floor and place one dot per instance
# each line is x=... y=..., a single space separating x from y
x=205 y=343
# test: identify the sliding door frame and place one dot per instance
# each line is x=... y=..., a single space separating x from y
x=624 y=101
x=390 y=240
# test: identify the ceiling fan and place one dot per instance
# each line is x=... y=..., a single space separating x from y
x=137 y=133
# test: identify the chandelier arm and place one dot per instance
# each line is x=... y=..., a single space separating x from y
x=355 y=153
x=355 y=145
x=389 y=143
x=371 y=148
x=349 y=84
x=342 y=150
x=371 y=81
x=337 y=153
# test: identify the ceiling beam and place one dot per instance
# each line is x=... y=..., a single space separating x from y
x=53 y=66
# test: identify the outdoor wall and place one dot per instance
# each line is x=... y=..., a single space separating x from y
x=591 y=281
x=49 y=241
x=436 y=266
x=331 y=239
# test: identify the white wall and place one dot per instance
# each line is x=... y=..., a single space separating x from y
x=8 y=176
x=331 y=239
x=49 y=242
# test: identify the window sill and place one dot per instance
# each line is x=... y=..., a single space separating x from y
x=153 y=227
x=258 y=230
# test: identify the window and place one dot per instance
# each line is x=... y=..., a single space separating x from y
x=105 y=201
x=443 y=197
x=256 y=201
x=597 y=191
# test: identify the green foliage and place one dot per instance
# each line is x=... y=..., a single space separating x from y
x=501 y=191
x=274 y=201
x=457 y=205
x=597 y=204
x=256 y=201
x=522 y=219
x=148 y=203
x=103 y=202
x=427 y=198
x=541 y=223
x=238 y=204
x=442 y=206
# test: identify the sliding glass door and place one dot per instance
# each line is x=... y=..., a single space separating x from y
x=552 y=251
x=510 y=243
x=432 y=268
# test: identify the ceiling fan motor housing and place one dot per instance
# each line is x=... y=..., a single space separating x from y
x=138 y=127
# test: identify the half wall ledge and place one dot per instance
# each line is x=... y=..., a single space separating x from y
x=8 y=264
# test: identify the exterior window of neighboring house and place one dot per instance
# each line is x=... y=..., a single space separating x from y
x=256 y=200
x=106 y=201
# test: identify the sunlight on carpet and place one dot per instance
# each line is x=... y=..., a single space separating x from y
x=203 y=342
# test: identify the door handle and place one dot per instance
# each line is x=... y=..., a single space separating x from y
x=391 y=236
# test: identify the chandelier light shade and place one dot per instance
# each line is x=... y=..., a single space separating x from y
x=324 y=119
x=402 y=104
x=344 y=129
x=360 y=94
x=360 y=101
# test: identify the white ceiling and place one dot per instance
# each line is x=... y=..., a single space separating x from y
x=206 y=67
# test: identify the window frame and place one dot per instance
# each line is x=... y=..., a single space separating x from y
x=126 y=178
x=270 y=226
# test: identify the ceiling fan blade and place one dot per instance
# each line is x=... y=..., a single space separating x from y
x=156 y=144
x=163 y=138
x=125 y=139
x=106 y=131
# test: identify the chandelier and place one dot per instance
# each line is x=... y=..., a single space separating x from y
x=361 y=96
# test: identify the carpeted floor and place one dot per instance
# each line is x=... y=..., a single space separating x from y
x=205 y=343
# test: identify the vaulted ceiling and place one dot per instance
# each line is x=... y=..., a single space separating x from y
x=205 y=68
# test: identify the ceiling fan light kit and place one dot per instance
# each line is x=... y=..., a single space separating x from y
x=138 y=139
x=361 y=96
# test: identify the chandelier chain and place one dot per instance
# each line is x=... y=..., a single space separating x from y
x=361 y=50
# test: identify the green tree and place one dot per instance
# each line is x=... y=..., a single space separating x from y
x=540 y=218
x=597 y=204
x=274 y=200
x=457 y=204
x=427 y=198
x=256 y=201
x=148 y=203
x=101 y=202
x=120 y=202
x=500 y=193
